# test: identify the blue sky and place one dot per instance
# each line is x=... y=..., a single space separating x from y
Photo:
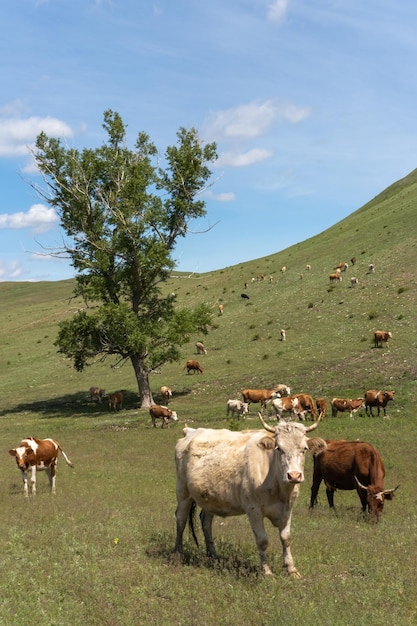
x=312 y=104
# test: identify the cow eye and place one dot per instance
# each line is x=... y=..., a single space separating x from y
x=277 y=448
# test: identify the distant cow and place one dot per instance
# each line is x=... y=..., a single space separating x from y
x=321 y=405
x=166 y=393
x=334 y=277
x=283 y=334
x=371 y=268
x=254 y=472
x=200 y=347
x=380 y=337
x=157 y=411
x=116 y=399
x=38 y=454
x=349 y=465
x=379 y=399
x=221 y=309
x=193 y=366
x=353 y=260
x=354 y=281
x=238 y=407
x=288 y=404
x=283 y=390
x=259 y=395
x=305 y=405
x=244 y=296
x=96 y=393
x=344 y=405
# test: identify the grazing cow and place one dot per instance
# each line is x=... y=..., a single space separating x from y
x=283 y=334
x=308 y=267
x=96 y=393
x=287 y=404
x=351 y=465
x=353 y=260
x=334 y=277
x=116 y=399
x=259 y=395
x=166 y=393
x=305 y=405
x=157 y=411
x=200 y=347
x=321 y=405
x=283 y=269
x=380 y=337
x=354 y=281
x=38 y=454
x=342 y=405
x=238 y=407
x=371 y=268
x=253 y=472
x=193 y=366
x=244 y=296
x=379 y=399
x=221 y=308
x=283 y=390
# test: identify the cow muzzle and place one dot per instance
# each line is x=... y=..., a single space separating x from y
x=295 y=477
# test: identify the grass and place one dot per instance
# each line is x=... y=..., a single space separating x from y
x=100 y=551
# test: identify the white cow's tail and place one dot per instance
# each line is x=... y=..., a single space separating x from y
x=65 y=457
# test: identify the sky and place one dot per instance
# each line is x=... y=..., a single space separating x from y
x=312 y=104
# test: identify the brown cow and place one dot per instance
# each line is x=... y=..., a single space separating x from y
x=259 y=395
x=193 y=366
x=351 y=465
x=342 y=405
x=116 y=399
x=158 y=411
x=380 y=337
x=334 y=277
x=321 y=405
x=379 y=399
x=305 y=405
x=96 y=393
x=166 y=393
x=38 y=454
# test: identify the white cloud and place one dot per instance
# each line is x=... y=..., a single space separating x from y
x=10 y=271
x=17 y=133
x=243 y=159
x=277 y=10
x=228 y=196
x=254 y=119
x=39 y=218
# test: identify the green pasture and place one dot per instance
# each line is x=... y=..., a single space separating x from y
x=100 y=551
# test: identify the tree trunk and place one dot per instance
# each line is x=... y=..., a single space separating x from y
x=142 y=378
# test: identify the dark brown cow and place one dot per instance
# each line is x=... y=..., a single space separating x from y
x=343 y=405
x=352 y=465
x=38 y=454
x=321 y=405
x=157 y=411
x=380 y=337
x=116 y=399
x=379 y=399
x=193 y=366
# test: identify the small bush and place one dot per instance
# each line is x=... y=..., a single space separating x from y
x=372 y=315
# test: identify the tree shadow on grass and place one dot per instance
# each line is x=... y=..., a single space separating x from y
x=72 y=405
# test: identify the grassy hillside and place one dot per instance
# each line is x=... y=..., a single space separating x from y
x=353 y=572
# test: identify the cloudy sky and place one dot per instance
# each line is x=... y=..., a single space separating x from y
x=312 y=104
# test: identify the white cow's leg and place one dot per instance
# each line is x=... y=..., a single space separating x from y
x=261 y=538
x=284 y=525
x=207 y=523
x=25 y=483
x=50 y=472
x=181 y=515
x=33 y=479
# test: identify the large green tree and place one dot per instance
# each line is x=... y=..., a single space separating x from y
x=122 y=211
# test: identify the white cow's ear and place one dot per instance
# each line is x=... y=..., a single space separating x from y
x=316 y=445
x=267 y=443
x=12 y=452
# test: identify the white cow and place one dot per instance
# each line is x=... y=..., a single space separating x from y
x=251 y=472
x=237 y=406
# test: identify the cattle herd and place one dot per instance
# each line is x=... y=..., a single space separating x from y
x=256 y=472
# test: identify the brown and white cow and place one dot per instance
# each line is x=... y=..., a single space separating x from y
x=282 y=390
x=334 y=277
x=380 y=337
x=349 y=465
x=96 y=393
x=166 y=393
x=287 y=404
x=221 y=309
x=157 y=411
x=38 y=454
x=305 y=405
x=200 y=347
x=259 y=395
x=251 y=472
x=237 y=407
x=379 y=399
x=116 y=399
x=193 y=366
x=344 y=405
